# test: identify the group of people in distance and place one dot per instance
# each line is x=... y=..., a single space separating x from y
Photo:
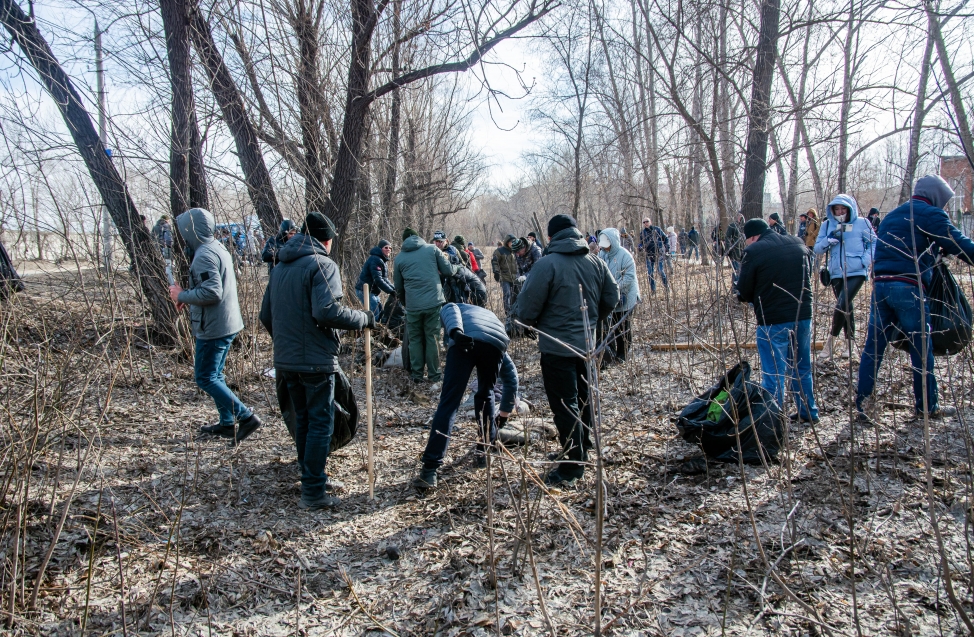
x=441 y=287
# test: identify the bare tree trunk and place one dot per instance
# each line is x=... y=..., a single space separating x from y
x=138 y=241
x=755 y=162
x=913 y=153
x=395 y=115
x=847 y=77
x=227 y=95
x=725 y=121
x=305 y=25
x=956 y=101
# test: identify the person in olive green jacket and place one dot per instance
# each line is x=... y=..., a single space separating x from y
x=416 y=275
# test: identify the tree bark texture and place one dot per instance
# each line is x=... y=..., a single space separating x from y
x=305 y=25
x=956 y=101
x=258 y=179
x=138 y=241
x=755 y=161
x=913 y=152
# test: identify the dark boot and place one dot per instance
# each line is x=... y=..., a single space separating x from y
x=217 y=429
x=426 y=480
x=324 y=502
x=245 y=427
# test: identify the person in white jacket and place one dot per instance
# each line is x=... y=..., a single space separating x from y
x=622 y=266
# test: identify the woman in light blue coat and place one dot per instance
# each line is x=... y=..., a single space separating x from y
x=623 y=269
x=849 y=242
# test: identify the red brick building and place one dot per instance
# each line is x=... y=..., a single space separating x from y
x=957 y=172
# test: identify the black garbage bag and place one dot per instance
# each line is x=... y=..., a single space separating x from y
x=346 y=411
x=950 y=315
x=9 y=279
x=749 y=409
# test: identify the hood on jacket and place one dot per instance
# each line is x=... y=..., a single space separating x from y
x=934 y=189
x=413 y=243
x=843 y=200
x=377 y=252
x=567 y=241
x=196 y=227
x=300 y=245
x=613 y=236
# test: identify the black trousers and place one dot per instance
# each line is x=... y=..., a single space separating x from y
x=566 y=384
x=486 y=359
x=844 y=317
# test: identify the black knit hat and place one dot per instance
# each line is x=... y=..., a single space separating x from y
x=409 y=232
x=533 y=235
x=774 y=215
x=755 y=227
x=559 y=223
x=319 y=226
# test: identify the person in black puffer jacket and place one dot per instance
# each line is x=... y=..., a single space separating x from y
x=302 y=311
x=374 y=274
x=776 y=279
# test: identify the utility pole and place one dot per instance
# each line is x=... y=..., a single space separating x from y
x=106 y=221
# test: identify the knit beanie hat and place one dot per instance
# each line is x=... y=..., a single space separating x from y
x=559 y=223
x=459 y=240
x=754 y=227
x=774 y=215
x=517 y=245
x=383 y=243
x=408 y=232
x=319 y=226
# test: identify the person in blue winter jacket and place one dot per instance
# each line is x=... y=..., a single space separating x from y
x=476 y=339
x=849 y=242
x=375 y=274
x=622 y=267
x=906 y=246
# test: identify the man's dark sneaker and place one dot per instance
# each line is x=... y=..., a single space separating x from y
x=693 y=466
x=796 y=418
x=425 y=480
x=245 y=427
x=480 y=460
x=556 y=479
x=863 y=420
x=217 y=429
x=324 y=502
x=332 y=484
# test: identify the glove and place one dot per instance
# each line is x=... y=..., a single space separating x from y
x=835 y=234
x=371 y=324
x=462 y=340
x=497 y=276
x=501 y=421
x=521 y=279
x=833 y=242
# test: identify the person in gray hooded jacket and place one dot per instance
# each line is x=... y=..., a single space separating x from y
x=550 y=302
x=303 y=312
x=215 y=315
x=475 y=340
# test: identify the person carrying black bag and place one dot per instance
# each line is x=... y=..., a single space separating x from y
x=903 y=272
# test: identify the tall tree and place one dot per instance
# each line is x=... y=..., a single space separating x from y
x=138 y=241
x=759 y=118
x=956 y=101
x=913 y=151
x=305 y=21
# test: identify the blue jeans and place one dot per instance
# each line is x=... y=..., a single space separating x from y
x=786 y=355
x=653 y=264
x=691 y=250
x=459 y=365
x=313 y=396
x=736 y=267
x=374 y=305
x=897 y=305
x=211 y=356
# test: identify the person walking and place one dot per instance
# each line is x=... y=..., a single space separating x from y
x=416 y=276
x=774 y=222
x=476 y=339
x=504 y=266
x=622 y=267
x=302 y=310
x=478 y=255
x=693 y=243
x=902 y=272
x=775 y=279
x=375 y=274
x=848 y=242
x=215 y=316
x=550 y=302
x=734 y=246
x=653 y=243
x=274 y=244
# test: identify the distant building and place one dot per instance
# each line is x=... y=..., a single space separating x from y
x=957 y=172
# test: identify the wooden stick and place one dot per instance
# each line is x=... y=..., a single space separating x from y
x=368 y=393
x=682 y=347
